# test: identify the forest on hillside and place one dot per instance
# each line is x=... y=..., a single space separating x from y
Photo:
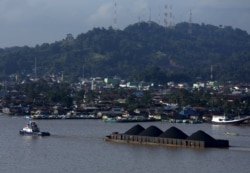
x=141 y=52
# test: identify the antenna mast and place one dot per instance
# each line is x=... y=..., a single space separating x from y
x=211 y=75
x=115 y=16
x=170 y=17
x=139 y=20
x=190 y=23
x=83 y=75
x=159 y=16
x=35 y=70
x=149 y=17
x=166 y=17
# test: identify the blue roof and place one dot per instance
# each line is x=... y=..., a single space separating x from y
x=188 y=111
x=138 y=93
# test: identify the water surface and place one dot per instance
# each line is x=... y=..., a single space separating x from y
x=77 y=146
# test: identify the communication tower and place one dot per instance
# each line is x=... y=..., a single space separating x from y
x=83 y=74
x=62 y=77
x=166 y=17
x=170 y=16
x=149 y=17
x=159 y=16
x=35 y=69
x=190 y=23
x=211 y=73
x=115 y=16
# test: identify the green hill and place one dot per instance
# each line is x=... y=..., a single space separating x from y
x=142 y=51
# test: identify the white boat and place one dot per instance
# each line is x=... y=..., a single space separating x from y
x=31 y=128
x=224 y=119
x=231 y=134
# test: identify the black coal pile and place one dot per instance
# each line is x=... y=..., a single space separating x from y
x=202 y=136
x=152 y=131
x=135 y=130
x=175 y=133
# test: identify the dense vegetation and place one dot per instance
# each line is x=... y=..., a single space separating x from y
x=143 y=51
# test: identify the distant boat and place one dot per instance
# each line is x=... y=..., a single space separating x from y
x=224 y=119
x=231 y=134
x=129 y=120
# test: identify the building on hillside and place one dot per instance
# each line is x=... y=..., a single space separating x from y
x=213 y=84
x=112 y=81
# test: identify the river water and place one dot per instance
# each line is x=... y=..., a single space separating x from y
x=77 y=146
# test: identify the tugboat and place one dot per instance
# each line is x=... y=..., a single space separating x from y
x=32 y=129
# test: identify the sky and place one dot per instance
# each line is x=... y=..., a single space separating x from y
x=34 y=22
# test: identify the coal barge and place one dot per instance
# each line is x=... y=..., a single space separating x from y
x=171 y=137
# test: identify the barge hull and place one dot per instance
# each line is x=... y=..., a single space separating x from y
x=170 y=142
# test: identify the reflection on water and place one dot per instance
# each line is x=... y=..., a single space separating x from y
x=74 y=137
x=29 y=137
x=240 y=148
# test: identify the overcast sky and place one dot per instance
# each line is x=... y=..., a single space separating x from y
x=32 y=22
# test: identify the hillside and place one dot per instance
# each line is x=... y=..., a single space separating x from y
x=141 y=51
